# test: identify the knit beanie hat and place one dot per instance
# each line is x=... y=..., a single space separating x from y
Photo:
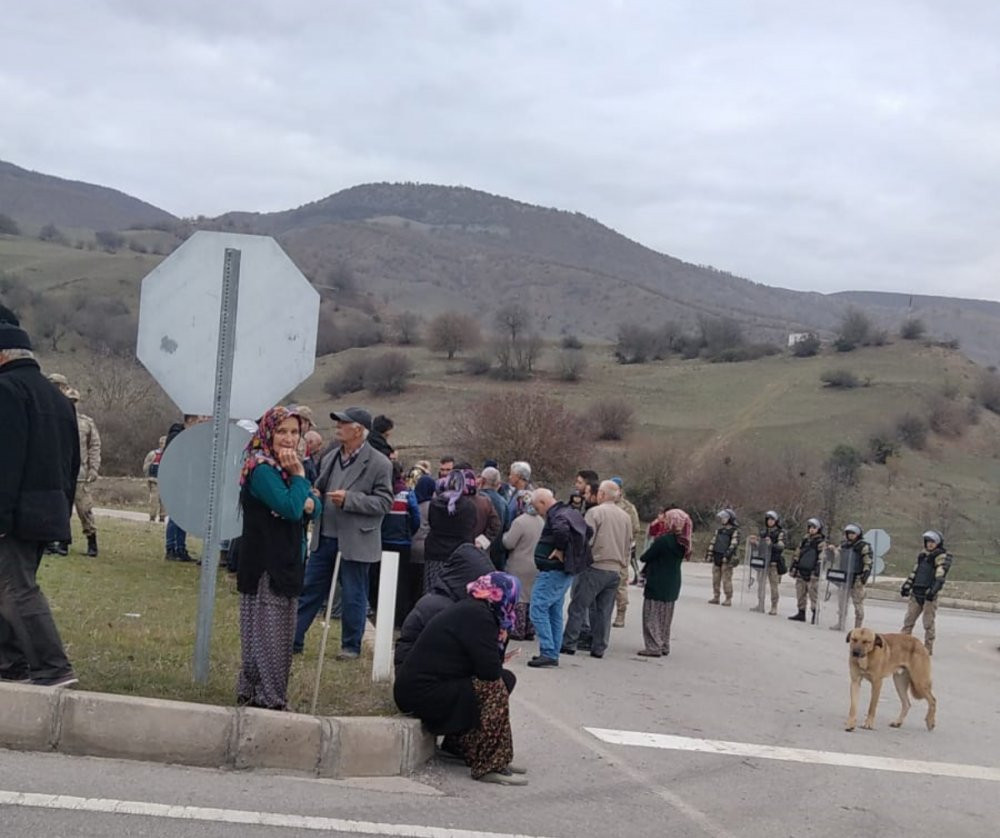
x=13 y=337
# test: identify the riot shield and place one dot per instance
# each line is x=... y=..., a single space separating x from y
x=835 y=587
x=742 y=578
x=758 y=557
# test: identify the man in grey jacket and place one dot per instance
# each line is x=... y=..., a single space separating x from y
x=355 y=484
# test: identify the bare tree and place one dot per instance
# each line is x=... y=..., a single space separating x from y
x=451 y=332
x=406 y=328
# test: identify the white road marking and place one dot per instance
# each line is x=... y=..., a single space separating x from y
x=236 y=816
x=641 y=778
x=746 y=749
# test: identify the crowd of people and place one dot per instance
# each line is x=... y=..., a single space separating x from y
x=483 y=560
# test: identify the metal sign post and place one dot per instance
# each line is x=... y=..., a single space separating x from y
x=220 y=441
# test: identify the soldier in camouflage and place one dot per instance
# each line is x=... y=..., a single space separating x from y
x=805 y=569
x=723 y=552
x=773 y=534
x=90 y=467
x=924 y=584
x=621 y=598
x=860 y=569
x=151 y=471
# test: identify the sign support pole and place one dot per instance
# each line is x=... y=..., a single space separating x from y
x=220 y=441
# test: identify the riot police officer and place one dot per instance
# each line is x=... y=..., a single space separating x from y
x=859 y=570
x=772 y=534
x=924 y=584
x=723 y=552
x=805 y=569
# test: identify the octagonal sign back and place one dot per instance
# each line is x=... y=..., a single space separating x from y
x=276 y=323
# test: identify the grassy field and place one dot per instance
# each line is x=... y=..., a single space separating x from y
x=127 y=619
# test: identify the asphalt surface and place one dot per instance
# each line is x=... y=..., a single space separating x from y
x=733 y=675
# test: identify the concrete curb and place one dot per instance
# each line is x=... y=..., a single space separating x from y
x=125 y=727
x=943 y=602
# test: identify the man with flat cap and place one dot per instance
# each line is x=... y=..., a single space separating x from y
x=355 y=484
x=39 y=463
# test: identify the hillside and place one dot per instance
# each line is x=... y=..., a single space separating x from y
x=34 y=199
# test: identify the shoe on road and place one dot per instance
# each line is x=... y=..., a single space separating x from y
x=347 y=655
x=541 y=660
x=565 y=650
x=646 y=653
x=61 y=681
x=504 y=778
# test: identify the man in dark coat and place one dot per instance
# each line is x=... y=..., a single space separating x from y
x=465 y=565
x=39 y=465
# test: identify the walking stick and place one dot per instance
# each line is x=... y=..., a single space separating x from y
x=326 y=633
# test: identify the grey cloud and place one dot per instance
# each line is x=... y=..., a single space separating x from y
x=819 y=146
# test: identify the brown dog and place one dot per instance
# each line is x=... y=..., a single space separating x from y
x=874 y=656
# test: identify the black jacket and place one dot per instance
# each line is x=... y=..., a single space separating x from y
x=435 y=682
x=39 y=455
x=448 y=532
x=565 y=529
x=468 y=562
x=380 y=443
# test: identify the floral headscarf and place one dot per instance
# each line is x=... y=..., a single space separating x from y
x=452 y=488
x=260 y=448
x=501 y=591
x=678 y=522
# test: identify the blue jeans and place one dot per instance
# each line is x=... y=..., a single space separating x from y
x=315 y=588
x=176 y=537
x=546 y=610
x=354 y=578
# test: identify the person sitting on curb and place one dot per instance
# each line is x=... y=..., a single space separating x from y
x=453 y=679
x=723 y=553
x=466 y=564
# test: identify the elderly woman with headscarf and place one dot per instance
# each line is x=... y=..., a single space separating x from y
x=453 y=679
x=277 y=503
x=452 y=516
x=520 y=541
x=662 y=569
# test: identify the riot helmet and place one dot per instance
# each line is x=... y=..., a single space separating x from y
x=726 y=516
x=935 y=536
x=852 y=529
x=773 y=515
x=815 y=522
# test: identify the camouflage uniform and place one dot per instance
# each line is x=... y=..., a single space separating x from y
x=860 y=571
x=90 y=466
x=806 y=574
x=922 y=586
x=621 y=598
x=723 y=552
x=156 y=507
x=777 y=536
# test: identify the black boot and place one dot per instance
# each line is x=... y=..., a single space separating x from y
x=813 y=620
x=92 y=545
x=62 y=548
x=800 y=617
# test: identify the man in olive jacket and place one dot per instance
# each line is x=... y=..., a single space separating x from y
x=355 y=484
x=39 y=462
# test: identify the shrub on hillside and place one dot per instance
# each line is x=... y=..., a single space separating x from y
x=348 y=379
x=913 y=328
x=844 y=464
x=518 y=426
x=948 y=416
x=649 y=471
x=478 y=364
x=109 y=240
x=51 y=233
x=855 y=330
x=911 y=430
x=882 y=446
x=388 y=373
x=635 y=344
x=988 y=391
x=807 y=347
x=611 y=419
x=749 y=352
x=571 y=342
x=453 y=332
x=406 y=328
x=842 y=379
x=8 y=226
x=570 y=364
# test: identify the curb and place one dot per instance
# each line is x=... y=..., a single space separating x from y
x=943 y=601
x=155 y=730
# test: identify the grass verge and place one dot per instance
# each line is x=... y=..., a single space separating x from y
x=127 y=619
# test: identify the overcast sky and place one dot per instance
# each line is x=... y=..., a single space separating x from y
x=813 y=145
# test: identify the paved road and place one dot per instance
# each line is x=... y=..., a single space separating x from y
x=733 y=677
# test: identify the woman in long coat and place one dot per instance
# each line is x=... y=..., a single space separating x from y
x=452 y=517
x=662 y=570
x=453 y=679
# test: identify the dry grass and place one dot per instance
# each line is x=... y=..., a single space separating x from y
x=127 y=619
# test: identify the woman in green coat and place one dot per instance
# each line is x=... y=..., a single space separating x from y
x=662 y=569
